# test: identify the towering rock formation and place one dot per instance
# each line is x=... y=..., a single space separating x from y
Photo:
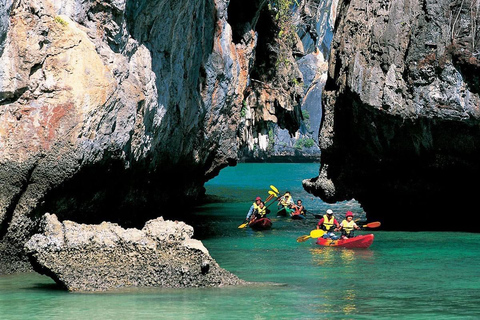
x=109 y=109
x=400 y=127
x=313 y=21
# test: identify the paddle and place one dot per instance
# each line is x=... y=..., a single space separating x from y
x=317 y=233
x=272 y=193
x=243 y=225
x=274 y=189
x=273 y=202
x=375 y=224
x=270 y=197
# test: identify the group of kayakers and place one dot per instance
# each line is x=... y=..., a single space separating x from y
x=285 y=202
x=328 y=223
x=289 y=207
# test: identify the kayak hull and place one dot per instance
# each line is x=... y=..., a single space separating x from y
x=261 y=224
x=298 y=217
x=282 y=213
x=362 y=241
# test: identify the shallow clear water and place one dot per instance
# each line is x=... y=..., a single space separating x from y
x=403 y=275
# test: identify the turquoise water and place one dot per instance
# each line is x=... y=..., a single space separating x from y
x=403 y=275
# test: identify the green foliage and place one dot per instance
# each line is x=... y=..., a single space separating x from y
x=271 y=135
x=305 y=114
x=283 y=16
x=271 y=139
x=243 y=111
x=304 y=143
x=296 y=83
x=59 y=20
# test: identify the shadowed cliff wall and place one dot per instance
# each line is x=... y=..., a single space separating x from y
x=401 y=109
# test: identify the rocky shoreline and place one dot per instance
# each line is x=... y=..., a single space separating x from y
x=81 y=257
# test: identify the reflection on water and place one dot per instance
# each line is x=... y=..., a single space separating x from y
x=349 y=297
x=325 y=256
x=341 y=267
x=321 y=256
x=257 y=234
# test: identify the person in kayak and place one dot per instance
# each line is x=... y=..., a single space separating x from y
x=286 y=202
x=299 y=208
x=254 y=207
x=261 y=211
x=329 y=224
x=348 y=226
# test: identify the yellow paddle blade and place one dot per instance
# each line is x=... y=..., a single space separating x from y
x=316 y=233
x=303 y=238
x=270 y=192
x=243 y=225
x=313 y=234
x=274 y=188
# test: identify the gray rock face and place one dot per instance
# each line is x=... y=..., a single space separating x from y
x=110 y=109
x=313 y=21
x=102 y=257
x=402 y=110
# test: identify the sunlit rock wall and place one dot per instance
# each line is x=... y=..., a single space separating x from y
x=110 y=109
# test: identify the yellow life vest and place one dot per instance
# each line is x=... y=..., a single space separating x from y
x=328 y=223
x=286 y=201
x=255 y=206
x=348 y=226
x=261 y=211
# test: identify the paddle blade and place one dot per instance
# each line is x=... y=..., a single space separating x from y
x=270 y=192
x=375 y=224
x=243 y=225
x=303 y=238
x=316 y=233
x=274 y=188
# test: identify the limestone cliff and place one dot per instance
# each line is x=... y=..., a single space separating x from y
x=313 y=22
x=109 y=109
x=400 y=126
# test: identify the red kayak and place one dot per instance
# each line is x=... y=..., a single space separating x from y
x=363 y=241
x=261 y=224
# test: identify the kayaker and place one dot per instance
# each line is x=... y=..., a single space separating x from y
x=329 y=224
x=299 y=208
x=261 y=211
x=254 y=206
x=286 y=202
x=348 y=226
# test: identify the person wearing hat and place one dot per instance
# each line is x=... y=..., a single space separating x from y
x=348 y=226
x=287 y=203
x=254 y=207
x=329 y=224
x=260 y=211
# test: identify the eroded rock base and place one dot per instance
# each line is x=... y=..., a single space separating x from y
x=102 y=257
